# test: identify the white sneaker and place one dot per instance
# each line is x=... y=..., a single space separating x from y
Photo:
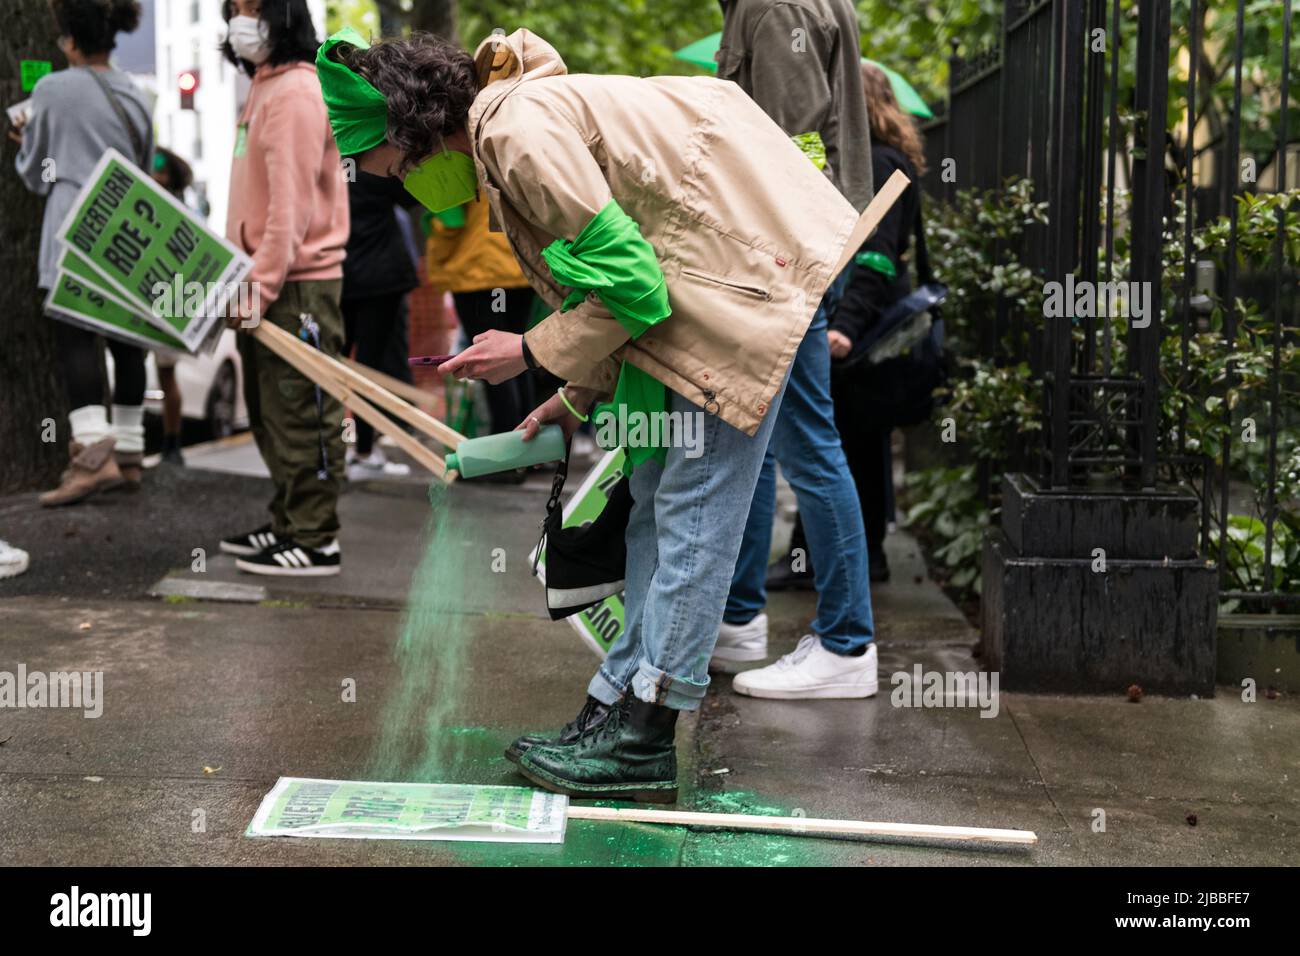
x=375 y=465
x=811 y=671
x=740 y=643
x=13 y=561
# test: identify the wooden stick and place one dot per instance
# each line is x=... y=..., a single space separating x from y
x=412 y=393
x=871 y=216
x=361 y=385
x=300 y=355
x=403 y=439
x=806 y=825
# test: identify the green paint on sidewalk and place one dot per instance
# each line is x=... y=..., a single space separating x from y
x=417 y=741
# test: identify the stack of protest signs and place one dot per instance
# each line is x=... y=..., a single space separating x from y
x=138 y=266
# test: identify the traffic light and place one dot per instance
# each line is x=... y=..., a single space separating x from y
x=188 y=83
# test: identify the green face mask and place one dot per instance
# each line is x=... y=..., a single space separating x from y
x=442 y=181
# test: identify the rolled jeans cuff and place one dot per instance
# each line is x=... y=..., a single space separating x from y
x=651 y=685
x=606 y=688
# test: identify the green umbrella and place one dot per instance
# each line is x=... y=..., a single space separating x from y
x=702 y=53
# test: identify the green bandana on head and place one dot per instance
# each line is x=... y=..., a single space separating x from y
x=358 y=112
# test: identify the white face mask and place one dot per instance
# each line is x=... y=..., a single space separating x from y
x=250 y=39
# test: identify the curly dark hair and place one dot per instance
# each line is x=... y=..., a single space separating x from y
x=292 y=36
x=429 y=83
x=94 y=24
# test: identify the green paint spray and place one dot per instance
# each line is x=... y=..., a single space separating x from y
x=421 y=740
x=417 y=742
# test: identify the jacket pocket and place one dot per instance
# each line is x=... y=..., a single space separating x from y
x=753 y=291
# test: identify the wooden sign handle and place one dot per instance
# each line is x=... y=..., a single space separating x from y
x=323 y=366
x=801 y=825
x=307 y=361
x=880 y=204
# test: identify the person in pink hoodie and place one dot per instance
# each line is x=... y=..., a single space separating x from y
x=289 y=211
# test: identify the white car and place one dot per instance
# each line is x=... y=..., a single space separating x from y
x=212 y=387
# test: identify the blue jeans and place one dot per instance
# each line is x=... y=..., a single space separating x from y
x=807 y=445
x=682 y=540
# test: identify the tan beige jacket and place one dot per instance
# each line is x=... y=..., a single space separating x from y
x=745 y=227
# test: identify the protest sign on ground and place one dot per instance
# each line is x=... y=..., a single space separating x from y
x=357 y=810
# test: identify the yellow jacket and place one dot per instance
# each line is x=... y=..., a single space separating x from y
x=471 y=258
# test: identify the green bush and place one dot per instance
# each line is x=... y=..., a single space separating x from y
x=993 y=401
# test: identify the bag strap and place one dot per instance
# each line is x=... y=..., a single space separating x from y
x=137 y=143
x=552 y=503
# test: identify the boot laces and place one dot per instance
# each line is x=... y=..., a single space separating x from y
x=584 y=716
x=609 y=725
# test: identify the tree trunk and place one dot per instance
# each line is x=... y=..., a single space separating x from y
x=435 y=16
x=31 y=382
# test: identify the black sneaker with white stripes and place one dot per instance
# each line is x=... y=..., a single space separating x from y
x=287 y=558
x=255 y=542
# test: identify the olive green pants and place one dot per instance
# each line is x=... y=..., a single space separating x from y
x=301 y=443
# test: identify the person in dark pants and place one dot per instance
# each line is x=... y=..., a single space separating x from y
x=879 y=279
x=377 y=275
x=508 y=310
x=476 y=265
x=174 y=175
x=76 y=115
x=289 y=211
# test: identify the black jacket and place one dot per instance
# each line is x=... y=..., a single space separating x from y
x=869 y=292
x=378 y=262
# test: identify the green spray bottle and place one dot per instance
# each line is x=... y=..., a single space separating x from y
x=505 y=451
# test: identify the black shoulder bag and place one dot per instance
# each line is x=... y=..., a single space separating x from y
x=586 y=563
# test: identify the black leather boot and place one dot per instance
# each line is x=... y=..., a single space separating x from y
x=632 y=755
x=593 y=714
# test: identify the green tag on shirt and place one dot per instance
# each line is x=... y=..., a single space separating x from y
x=241 y=140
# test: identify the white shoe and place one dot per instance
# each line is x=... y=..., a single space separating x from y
x=13 y=561
x=740 y=643
x=375 y=465
x=811 y=671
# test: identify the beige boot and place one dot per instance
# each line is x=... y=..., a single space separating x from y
x=131 y=465
x=91 y=469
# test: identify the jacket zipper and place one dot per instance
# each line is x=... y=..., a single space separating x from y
x=749 y=290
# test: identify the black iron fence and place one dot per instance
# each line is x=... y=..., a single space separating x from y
x=1130 y=125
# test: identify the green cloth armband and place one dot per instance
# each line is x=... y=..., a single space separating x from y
x=611 y=258
x=811 y=145
x=877 y=261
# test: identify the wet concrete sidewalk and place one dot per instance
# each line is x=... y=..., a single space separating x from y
x=207 y=702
